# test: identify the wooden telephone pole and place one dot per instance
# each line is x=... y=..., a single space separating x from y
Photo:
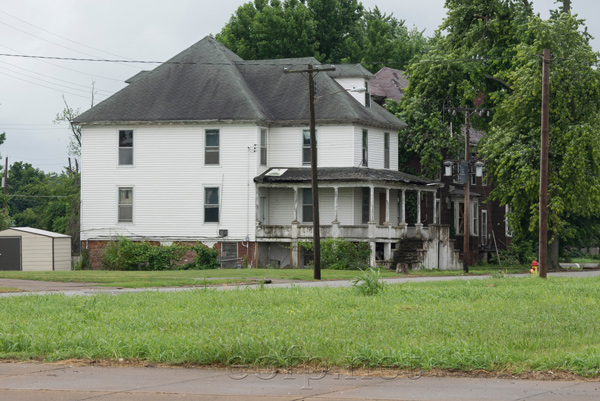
x=313 y=165
x=469 y=111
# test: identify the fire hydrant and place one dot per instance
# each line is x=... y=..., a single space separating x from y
x=534 y=267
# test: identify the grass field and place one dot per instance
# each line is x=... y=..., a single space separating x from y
x=507 y=324
x=168 y=278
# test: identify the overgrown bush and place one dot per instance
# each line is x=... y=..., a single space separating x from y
x=124 y=254
x=519 y=253
x=341 y=254
x=206 y=258
x=84 y=260
x=369 y=282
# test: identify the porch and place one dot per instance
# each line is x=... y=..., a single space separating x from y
x=362 y=205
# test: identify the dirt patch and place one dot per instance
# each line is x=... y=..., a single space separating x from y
x=550 y=375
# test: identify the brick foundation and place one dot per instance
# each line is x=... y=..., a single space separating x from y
x=96 y=249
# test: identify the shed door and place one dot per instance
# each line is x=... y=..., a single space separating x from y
x=10 y=253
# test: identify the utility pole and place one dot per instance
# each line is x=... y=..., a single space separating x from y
x=543 y=228
x=5 y=184
x=313 y=165
x=469 y=111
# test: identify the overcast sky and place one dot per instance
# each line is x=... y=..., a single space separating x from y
x=32 y=90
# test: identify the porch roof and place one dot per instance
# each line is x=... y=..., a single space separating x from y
x=280 y=175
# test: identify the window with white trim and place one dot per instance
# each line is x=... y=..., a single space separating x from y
x=125 y=205
x=474 y=212
x=307 y=205
x=365 y=147
x=211 y=205
x=386 y=150
x=306 y=152
x=508 y=231
x=484 y=227
x=211 y=146
x=263 y=146
x=126 y=147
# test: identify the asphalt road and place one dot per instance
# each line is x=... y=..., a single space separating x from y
x=33 y=382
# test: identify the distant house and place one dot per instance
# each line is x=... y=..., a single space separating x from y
x=488 y=227
x=209 y=147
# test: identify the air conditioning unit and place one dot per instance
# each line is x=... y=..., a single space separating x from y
x=223 y=233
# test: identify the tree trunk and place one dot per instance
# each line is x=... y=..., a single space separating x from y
x=553 y=254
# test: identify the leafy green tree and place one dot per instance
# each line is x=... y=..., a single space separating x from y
x=270 y=30
x=512 y=147
x=5 y=220
x=452 y=74
x=384 y=41
x=45 y=201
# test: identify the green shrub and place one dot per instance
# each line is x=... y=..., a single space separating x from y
x=125 y=254
x=369 y=282
x=84 y=260
x=206 y=258
x=341 y=254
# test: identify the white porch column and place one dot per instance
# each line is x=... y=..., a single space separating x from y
x=419 y=225
x=294 y=250
x=335 y=224
x=335 y=205
x=387 y=207
x=257 y=205
x=418 y=207
x=403 y=208
x=435 y=208
x=296 y=204
x=372 y=204
x=372 y=225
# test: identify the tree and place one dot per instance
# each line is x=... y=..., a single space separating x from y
x=384 y=41
x=270 y=30
x=68 y=115
x=5 y=220
x=453 y=74
x=512 y=145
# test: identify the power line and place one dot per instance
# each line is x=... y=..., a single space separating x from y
x=87 y=90
x=62 y=37
x=49 y=41
x=56 y=79
x=47 y=87
x=66 y=68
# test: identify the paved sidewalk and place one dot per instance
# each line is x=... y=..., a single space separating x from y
x=32 y=382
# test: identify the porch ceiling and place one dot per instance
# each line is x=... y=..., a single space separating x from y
x=341 y=175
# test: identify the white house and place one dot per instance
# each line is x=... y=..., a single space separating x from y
x=209 y=147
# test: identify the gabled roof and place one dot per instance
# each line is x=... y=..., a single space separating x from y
x=354 y=174
x=209 y=83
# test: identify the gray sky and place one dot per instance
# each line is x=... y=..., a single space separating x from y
x=32 y=89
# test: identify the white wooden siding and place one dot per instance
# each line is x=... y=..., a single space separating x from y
x=353 y=83
x=334 y=146
x=376 y=147
x=168 y=182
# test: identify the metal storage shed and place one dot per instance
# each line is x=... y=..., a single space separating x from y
x=31 y=249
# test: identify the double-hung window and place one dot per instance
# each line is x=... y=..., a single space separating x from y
x=386 y=150
x=211 y=205
x=306 y=152
x=263 y=147
x=366 y=205
x=125 y=205
x=211 y=147
x=126 y=147
x=307 y=205
x=365 y=148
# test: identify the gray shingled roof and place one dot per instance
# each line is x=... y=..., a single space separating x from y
x=389 y=83
x=354 y=174
x=208 y=82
